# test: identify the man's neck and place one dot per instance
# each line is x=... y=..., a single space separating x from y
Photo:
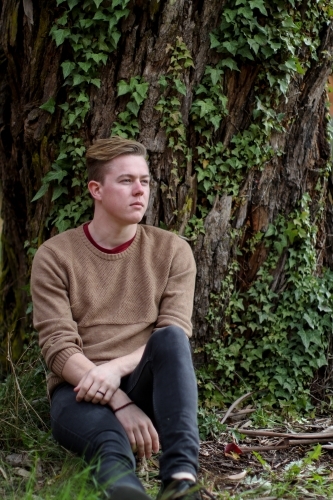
x=111 y=235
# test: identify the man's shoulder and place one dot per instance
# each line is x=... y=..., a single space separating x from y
x=162 y=236
x=62 y=242
x=165 y=241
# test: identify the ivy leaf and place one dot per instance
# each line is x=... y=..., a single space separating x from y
x=67 y=68
x=98 y=3
x=180 y=86
x=138 y=99
x=99 y=16
x=55 y=175
x=59 y=36
x=58 y=191
x=245 y=52
x=267 y=51
x=205 y=106
x=254 y=45
x=305 y=337
x=61 y=156
x=99 y=57
x=72 y=3
x=163 y=81
x=123 y=88
x=215 y=75
x=259 y=4
x=133 y=107
x=77 y=79
x=115 y=37
x=142 y=89
x=214 y=42
x=216 y=121
x=49 y=106
x=63 y=20
x=309 y=321
x=230 y=63
x=42 y=190
x=85 y=66
x=63 y=225
x=231 y=46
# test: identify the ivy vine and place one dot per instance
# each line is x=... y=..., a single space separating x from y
x=275 y=337
x=91 y=28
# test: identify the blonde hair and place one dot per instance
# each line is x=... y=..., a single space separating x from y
x=105 y=150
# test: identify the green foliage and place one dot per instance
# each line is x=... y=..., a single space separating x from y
x=276 y=334
x=91 y=30
x=127 y=125
x=209 y=424
x=170 y=105
x=272 y=34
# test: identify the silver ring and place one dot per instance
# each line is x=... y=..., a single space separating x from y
x=103 y=393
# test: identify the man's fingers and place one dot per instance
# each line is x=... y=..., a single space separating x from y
x=143 y=442
x=107 y=396
x=154 y=439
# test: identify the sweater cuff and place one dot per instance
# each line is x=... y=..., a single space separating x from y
x=61 y=358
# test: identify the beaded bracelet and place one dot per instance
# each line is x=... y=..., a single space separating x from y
x=124 y=406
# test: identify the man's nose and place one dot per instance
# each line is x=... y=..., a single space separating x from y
x=137 y=188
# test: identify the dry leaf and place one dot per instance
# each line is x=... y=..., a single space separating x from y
x=237 y=477
x=21 y=472
x=204 y=453
x=17 y=459
x=232 y=447
x=3 y=473
x=232 y=455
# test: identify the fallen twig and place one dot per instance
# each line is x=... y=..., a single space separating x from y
x=236 y=403
x=314 y=435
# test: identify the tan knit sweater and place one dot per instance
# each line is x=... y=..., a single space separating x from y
x=107 y=305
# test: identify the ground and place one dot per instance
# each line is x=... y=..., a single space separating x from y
x=292 y=473
x=34 y=467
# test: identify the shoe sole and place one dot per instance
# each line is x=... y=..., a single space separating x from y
x=128 y=493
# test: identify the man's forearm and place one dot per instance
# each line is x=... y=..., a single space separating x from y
x=78 y=365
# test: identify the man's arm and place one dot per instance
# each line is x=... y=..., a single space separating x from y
x=176 y=303
x=88 y=378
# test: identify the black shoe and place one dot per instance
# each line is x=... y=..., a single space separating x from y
x=128 y=493
x=180 y=488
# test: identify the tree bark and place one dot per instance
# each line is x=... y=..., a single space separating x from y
x=30 y=64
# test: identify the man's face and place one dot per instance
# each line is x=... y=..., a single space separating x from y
x=124 y=194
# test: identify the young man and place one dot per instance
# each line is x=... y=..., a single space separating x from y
x=112 y=305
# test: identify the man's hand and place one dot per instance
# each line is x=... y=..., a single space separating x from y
x=140 y=431
x=99 y=384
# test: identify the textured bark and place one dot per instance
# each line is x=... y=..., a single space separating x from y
x=30 y=63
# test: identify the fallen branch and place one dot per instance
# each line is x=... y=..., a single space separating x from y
x=236 y=403
x=314 y=435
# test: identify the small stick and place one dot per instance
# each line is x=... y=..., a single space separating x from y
x=236 y=403
x=314 y=435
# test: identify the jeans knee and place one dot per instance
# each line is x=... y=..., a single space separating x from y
x=170 y=339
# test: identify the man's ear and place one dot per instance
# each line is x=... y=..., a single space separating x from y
x=95 y=189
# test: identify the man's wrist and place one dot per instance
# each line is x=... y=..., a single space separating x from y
x=119 y=399
x=117 y=367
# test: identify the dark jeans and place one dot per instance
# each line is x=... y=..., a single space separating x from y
x=163 y=385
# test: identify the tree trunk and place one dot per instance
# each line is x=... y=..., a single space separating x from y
x=30 y=136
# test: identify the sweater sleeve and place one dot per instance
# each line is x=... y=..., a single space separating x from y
x=176 y=304
x=58 y=334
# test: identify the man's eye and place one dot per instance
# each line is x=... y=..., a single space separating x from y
x=126 y=180
x=145 y=182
